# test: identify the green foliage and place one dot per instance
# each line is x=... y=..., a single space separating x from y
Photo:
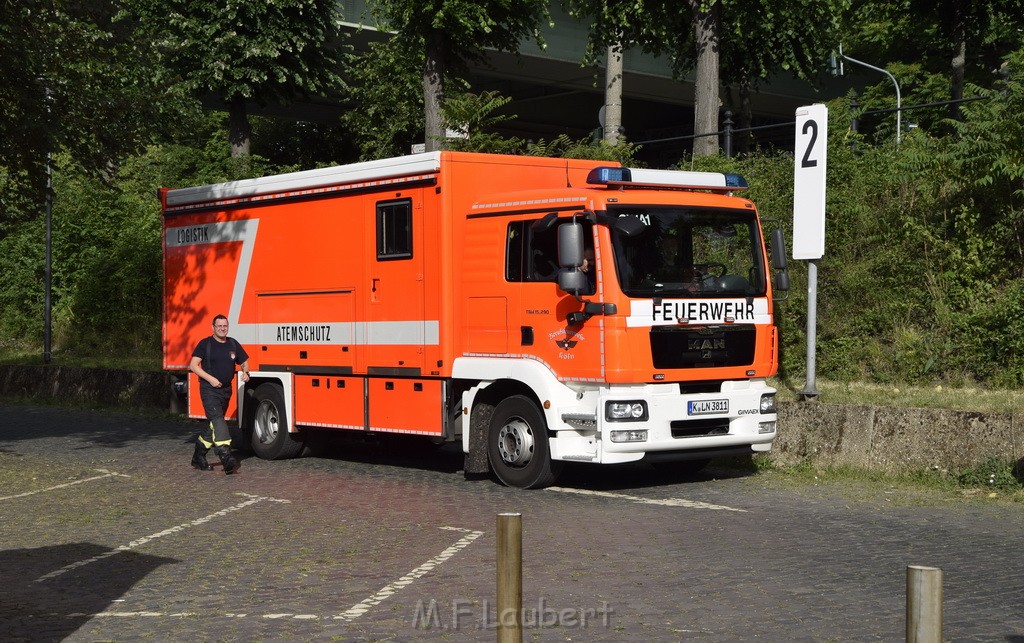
x=75 y=79
x=390 y=117
x=106 y=248
x=446 y=34
x=474 y=115
x=994 y=473
x=266 y=51
x=467 y=27
x=921 y=279
x=565 y=147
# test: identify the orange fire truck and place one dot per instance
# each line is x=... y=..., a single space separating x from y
x=538 y=310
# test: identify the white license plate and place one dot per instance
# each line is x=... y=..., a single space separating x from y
x=705 y=407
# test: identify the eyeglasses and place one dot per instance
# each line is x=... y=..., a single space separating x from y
x=220 y=325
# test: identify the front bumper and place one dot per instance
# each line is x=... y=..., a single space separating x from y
x=671 y=426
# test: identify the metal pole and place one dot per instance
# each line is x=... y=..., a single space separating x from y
x=810 y=390
x=727 y=135
x=924 y=604
x=892 y=78
x=510 y=578
x=48 y=269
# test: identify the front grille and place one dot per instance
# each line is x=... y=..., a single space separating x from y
x=705 y=347
x=699 y=428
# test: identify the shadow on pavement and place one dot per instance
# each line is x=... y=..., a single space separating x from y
x=414 y=452
x=638 y=475
x=100 y=428
x=43 y=603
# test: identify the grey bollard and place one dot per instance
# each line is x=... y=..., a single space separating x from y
x=924 y=604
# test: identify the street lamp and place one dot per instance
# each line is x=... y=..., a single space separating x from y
x=48 y=95
x=891 y=77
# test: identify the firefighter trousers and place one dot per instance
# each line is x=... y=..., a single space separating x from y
x=215 y=402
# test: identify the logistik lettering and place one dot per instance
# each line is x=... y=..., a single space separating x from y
x=197 y=234
x=307 y=333
x=671 y=311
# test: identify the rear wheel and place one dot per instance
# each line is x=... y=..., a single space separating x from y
x=270 y=437
x=517 y=445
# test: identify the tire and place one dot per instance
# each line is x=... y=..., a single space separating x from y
x=517 y=445
x=270 y=438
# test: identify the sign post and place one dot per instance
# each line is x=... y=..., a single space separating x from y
x=810 y=153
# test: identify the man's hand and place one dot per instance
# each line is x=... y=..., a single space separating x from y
x=214 y=382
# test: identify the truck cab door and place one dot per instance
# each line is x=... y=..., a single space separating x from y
x=541 y=316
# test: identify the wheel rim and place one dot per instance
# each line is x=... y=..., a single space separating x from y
x=515 y=442
x=267 y=422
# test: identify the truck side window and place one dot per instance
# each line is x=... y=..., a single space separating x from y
x=394 y=229
x=533 y=256
x=514 y=252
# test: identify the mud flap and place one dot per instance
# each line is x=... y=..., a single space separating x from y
x=476 y=460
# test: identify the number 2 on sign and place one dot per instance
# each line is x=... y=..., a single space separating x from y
x=811 y=127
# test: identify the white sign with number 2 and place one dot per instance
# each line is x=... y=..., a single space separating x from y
x=809 y=182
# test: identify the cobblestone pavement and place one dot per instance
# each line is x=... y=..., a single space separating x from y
x=108 y=534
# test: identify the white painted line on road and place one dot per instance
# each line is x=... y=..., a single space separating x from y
x=106 y=474
x=387 y=591
x=348 y=615
x=160 y=534
x=666 y=502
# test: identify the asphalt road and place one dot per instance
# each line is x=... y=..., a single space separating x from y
x=107 y=534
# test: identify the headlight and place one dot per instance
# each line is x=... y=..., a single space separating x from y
x=766 y=427
x=626 y=411
x=768 y=403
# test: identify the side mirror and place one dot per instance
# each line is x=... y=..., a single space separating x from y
x=780 y=281
x=778 y=242
x=570 y=245
x=572 y=281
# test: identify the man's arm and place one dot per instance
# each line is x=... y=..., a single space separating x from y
x=196 y=366
x=245 y=371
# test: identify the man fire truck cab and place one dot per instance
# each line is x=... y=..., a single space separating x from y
x=537 y=310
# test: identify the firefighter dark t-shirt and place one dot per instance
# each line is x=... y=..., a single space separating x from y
x=219 y=360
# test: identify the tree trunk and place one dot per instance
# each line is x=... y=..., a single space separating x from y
x=956 y=84
x=239 y=131
x=433 y=92
x=707 y=25
x=613 y=95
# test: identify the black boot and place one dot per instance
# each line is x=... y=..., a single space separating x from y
x=231 y=465
x=199 y=458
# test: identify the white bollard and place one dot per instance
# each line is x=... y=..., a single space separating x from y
x=924 y=604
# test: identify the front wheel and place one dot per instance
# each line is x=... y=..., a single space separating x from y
x=517 y=445
x=270 y=437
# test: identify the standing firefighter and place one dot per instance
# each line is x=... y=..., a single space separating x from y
x=213 y=360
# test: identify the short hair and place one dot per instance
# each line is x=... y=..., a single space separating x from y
x=219 y=317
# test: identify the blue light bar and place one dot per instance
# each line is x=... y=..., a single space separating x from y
x=606 y=175
x=624 y=176
x=736 y=181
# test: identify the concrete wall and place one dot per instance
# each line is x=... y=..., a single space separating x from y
x=894 y=439
x=91 y=386
x=877 y=438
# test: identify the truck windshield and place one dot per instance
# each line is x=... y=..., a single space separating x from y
x=689 y=252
